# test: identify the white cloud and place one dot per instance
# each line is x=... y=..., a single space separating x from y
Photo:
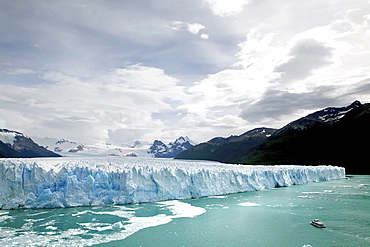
x=142 y=78
x=70 y=73
x=259 y=55
x=318 y=67
x=204 y=36
x=275 y=82
x=193 y=28
x=306 y=56
x=87 y=110
x=225 y=8
x=19 y=71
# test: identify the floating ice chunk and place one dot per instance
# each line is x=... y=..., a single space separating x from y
x=182 y=210
x=51 y=227
x=117 y=225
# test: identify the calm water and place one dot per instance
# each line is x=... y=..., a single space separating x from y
x=276 y=217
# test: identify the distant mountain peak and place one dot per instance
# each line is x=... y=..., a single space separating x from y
x=334 y=135
x=10 y=136
x=185 y=139
x=170 y=150
x=60 y=146
x=261 y=131
x=61 y=141
x=356 y=103
x=226 y=149
x=329 y=115
x=14 y=144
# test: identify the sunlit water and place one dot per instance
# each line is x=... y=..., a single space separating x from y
x=275 y=217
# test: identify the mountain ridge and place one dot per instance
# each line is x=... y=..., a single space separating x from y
x=331 y=136
x=227 y=149
x=14 y=144
x=172 y=149
x=339 y=142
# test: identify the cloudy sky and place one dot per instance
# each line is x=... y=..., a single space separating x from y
x=118 y=71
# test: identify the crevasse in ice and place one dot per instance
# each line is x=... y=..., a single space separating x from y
x=70 y=182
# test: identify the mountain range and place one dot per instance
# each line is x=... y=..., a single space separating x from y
x=14 y=144
x=70 y=148
x=227 y=149
x=172 y=149
x=332 y=136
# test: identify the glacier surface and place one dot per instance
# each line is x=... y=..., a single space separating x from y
x=70 y=182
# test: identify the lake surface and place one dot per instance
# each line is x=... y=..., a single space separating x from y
x=274 y=217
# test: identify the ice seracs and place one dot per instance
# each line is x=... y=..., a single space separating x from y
x=69 y=182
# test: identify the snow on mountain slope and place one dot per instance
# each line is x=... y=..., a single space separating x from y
x=227 y=149
x=161 y=150
x=60 y=146
x=69 y=182
x=9 y=136
x=106 y=149
x=69 y=148
x=328 y=116
x=14 y=144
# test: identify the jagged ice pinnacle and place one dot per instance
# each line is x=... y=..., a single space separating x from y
x=70 y=182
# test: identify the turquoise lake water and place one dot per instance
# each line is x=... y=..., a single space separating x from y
x=275 y=217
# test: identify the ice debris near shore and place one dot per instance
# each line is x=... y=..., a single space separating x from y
x=70 y=182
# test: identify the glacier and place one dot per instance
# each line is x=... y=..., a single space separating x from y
x=71 y=182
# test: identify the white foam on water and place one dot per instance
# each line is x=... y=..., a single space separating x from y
x=249 y=204
x=219 y=197
x=51 y=228
x=216 y=206
x=121 y=214
x=5 y=217
x=119 y=230
x=182 y=209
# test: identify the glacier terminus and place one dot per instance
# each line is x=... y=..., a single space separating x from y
x=71 y=182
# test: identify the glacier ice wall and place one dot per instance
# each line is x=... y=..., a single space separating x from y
x=69 y=182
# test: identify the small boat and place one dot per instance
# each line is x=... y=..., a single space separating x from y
x=318 y=223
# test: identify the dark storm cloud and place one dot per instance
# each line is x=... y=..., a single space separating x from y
x=276 y=104
x=307 y=55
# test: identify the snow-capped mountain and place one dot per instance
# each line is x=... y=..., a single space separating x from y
x=161 y=150
x=328 y=116
x=60 y=146
x=64 y=145
x=14 y=144
x=70 y=148
x=227 y=149
x=334 y=135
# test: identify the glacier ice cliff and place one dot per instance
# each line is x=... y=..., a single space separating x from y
x=70 y=182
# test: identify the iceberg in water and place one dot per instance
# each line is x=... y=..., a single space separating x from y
x=70 y=182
